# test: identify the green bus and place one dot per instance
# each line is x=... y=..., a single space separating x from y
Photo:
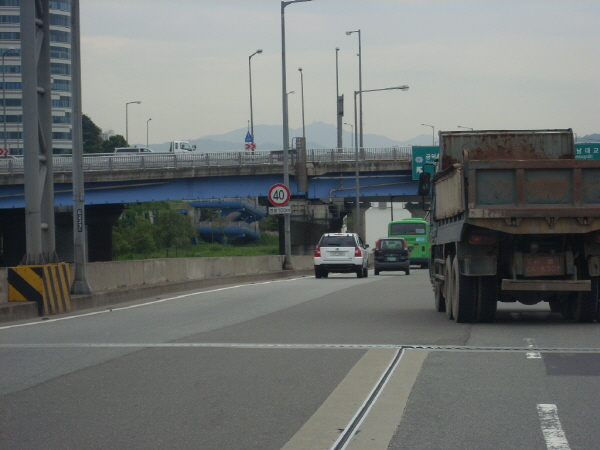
x=416 y=234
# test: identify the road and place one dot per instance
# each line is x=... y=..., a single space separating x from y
x=300 y=364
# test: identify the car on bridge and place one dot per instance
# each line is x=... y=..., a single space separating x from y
x=341 y=253
x=133 y=150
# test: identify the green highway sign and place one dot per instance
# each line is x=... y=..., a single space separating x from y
x=587 y=151
x=422 y=156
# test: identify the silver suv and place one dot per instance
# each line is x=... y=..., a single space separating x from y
x=341 y=253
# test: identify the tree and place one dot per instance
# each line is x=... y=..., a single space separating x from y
x=172 y=229
x=92 y=136
x=109 y=145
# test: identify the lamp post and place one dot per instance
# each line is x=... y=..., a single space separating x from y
x=352 y=128
x=147 y=125
x=466 y=128
x=257 y=52
x=286 y=135
x=12 y=49
x=127 y=119
x=339 y=103
x=432 y=132
x=302 y=95
x=288 y=111
x=357 y=172
x=360 y=89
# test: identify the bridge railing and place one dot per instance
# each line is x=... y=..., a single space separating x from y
x=112 y=162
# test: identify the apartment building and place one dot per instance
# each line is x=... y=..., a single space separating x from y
x=60 y=60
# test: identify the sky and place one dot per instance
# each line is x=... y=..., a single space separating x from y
x=479 y=64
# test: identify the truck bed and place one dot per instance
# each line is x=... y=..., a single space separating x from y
x=562 y=194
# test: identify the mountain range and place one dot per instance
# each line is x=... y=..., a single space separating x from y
x=318 y=135
x=270 y=137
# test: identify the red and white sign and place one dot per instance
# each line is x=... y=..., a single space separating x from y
x=250 y=146
x=279 y=195
x=4 y=151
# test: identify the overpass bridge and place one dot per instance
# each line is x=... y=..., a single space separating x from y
x=322 y=184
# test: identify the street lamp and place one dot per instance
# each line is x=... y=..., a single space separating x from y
x=466 y=128
x=352 y=132
x=288 y=105
x=286 y=136
x=127 y=119
x=302 y=95
x=360 y=89
x=257 y=52
x=357 y=172
x=432 y=132
x=12 y=49
x=338 y=103
x=147 y=123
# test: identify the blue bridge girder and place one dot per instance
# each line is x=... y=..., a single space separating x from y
x=330 y=174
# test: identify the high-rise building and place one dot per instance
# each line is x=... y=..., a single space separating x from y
x=60 y=63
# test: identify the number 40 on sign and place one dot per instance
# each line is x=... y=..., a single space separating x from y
x=279 y=195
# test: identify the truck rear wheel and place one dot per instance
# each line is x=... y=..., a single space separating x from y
x=487 y=299
x=463 y=289
x=584 y=305
x=448 y=287
x=440 y=301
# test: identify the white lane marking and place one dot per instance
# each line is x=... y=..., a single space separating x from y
x=551 y=428
x=111 y=309
x=533 y=346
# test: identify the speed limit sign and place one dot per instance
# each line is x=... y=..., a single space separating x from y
x=279 y=195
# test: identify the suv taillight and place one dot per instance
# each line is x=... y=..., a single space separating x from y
x=357 y=252
x=317 y=252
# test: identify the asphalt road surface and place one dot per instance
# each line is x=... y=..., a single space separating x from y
x=300 y=364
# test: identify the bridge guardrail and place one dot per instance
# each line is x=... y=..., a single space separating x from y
x=112 y=162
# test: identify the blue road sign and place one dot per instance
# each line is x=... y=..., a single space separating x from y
x=249 y=138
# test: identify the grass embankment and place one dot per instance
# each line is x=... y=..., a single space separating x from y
x=266 y=245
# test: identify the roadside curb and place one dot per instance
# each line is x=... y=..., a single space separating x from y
x=16 y=311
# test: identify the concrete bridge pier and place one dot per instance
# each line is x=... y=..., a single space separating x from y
x=99 y=222
x=416 y=209
x=311 y=219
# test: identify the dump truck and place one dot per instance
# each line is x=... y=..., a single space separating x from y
x=514 y=217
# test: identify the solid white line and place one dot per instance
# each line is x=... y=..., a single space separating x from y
x=178 y=297
x=551 y=428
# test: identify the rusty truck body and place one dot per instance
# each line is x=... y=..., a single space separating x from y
x=514 y=217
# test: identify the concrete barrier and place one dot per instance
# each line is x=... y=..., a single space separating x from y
x=109 y=275
x=121 y=281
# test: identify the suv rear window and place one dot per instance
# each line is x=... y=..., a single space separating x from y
x=337 y=241
x=392 y=244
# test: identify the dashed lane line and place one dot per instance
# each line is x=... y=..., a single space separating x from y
x=551 y=428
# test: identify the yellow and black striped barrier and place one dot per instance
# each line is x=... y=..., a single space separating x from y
x=47 y=284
